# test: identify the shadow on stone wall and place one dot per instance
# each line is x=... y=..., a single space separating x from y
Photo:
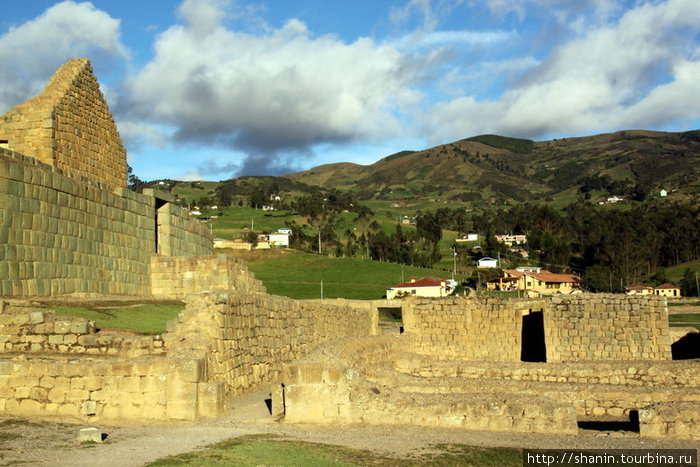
x=686 y=348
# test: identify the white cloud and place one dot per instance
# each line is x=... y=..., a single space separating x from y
x=621 y=75
x=282 y=90
x=33 y=51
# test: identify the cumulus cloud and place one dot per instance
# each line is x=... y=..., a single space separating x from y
x=282 y=90
x=34 y=50
x=603 y=80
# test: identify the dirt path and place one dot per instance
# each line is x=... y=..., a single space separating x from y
x=55 y=444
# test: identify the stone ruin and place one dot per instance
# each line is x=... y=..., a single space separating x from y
x=69 y=228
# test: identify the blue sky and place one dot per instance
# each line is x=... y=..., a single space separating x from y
x=210 y=89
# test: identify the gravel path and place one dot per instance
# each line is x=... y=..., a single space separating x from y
x=55 y=444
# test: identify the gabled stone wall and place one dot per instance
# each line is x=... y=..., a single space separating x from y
x=69 y=126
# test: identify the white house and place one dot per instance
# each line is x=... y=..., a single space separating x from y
x=426 y=287
x=279 y=239
x=487 y=262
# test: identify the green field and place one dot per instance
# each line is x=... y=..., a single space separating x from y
x=675 y=274
x=684 y=320
x=298 y=275
x=258 y=450
x=141 y=318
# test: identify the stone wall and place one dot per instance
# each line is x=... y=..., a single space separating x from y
x=246 y=338
x=572 y=328
x=349 y=381
x=607 y=327
x=69 y=126
x=179 y=234
x=177 y=277
x=61 y=235
x=30 y=330
x=466 y=328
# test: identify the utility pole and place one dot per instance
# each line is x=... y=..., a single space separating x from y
x=454 y=271
x=321 y=289
x=696 y=283
x=319 y=240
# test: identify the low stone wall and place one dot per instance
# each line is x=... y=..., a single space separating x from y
x=336 y=385
x=247 y=338
x=92 y=389
x=636 y=373
x=29 y=330
x=678 y=420
x=379 y=380
x=583 y=327
x=177 y=277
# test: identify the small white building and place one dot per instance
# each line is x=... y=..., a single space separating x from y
x=487 y=262
x=279 y=239
x=426 y=287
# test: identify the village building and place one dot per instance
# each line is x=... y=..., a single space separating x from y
x=639 y=289
x=426 y=287
x=511 y=240
x=487 y=262
x=279 y=238
x=536 y=281
x=664 y=290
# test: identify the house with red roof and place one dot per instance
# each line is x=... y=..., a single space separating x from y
x=667 y=290
x=664 y=290
x=536 y=281
x=639 y=289
x=426 y=287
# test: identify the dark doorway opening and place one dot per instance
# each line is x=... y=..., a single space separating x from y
x=533 y=347
x=390 y=320
x=615 y=425
x=159 y=204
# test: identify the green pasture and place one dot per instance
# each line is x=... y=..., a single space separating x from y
x=298 y=275
x=684 y=320
x=142 y=318
x=258 y=450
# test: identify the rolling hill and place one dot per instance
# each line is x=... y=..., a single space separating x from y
x=508 y=169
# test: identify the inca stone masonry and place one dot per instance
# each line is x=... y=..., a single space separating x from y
x=70 y=228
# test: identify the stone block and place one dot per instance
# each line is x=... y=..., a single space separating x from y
x=190 y=370
x=210 y=398
x=90 y=435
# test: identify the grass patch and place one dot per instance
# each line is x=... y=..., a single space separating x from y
x=351 y=278
x=684 y=320
x=269 y=450
x=141 y=318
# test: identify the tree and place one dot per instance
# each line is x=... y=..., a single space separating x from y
x=689 y=284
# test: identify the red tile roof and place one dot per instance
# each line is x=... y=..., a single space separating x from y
x=639 y=287
x=546 y=276
x=425 y=282
x=667 y=286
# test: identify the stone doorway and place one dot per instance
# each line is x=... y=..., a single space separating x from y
x=532 y=339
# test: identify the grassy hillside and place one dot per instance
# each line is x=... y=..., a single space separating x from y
x=490 y=169
x=298 y=275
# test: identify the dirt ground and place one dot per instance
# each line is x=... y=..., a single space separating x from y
x=42 y=443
